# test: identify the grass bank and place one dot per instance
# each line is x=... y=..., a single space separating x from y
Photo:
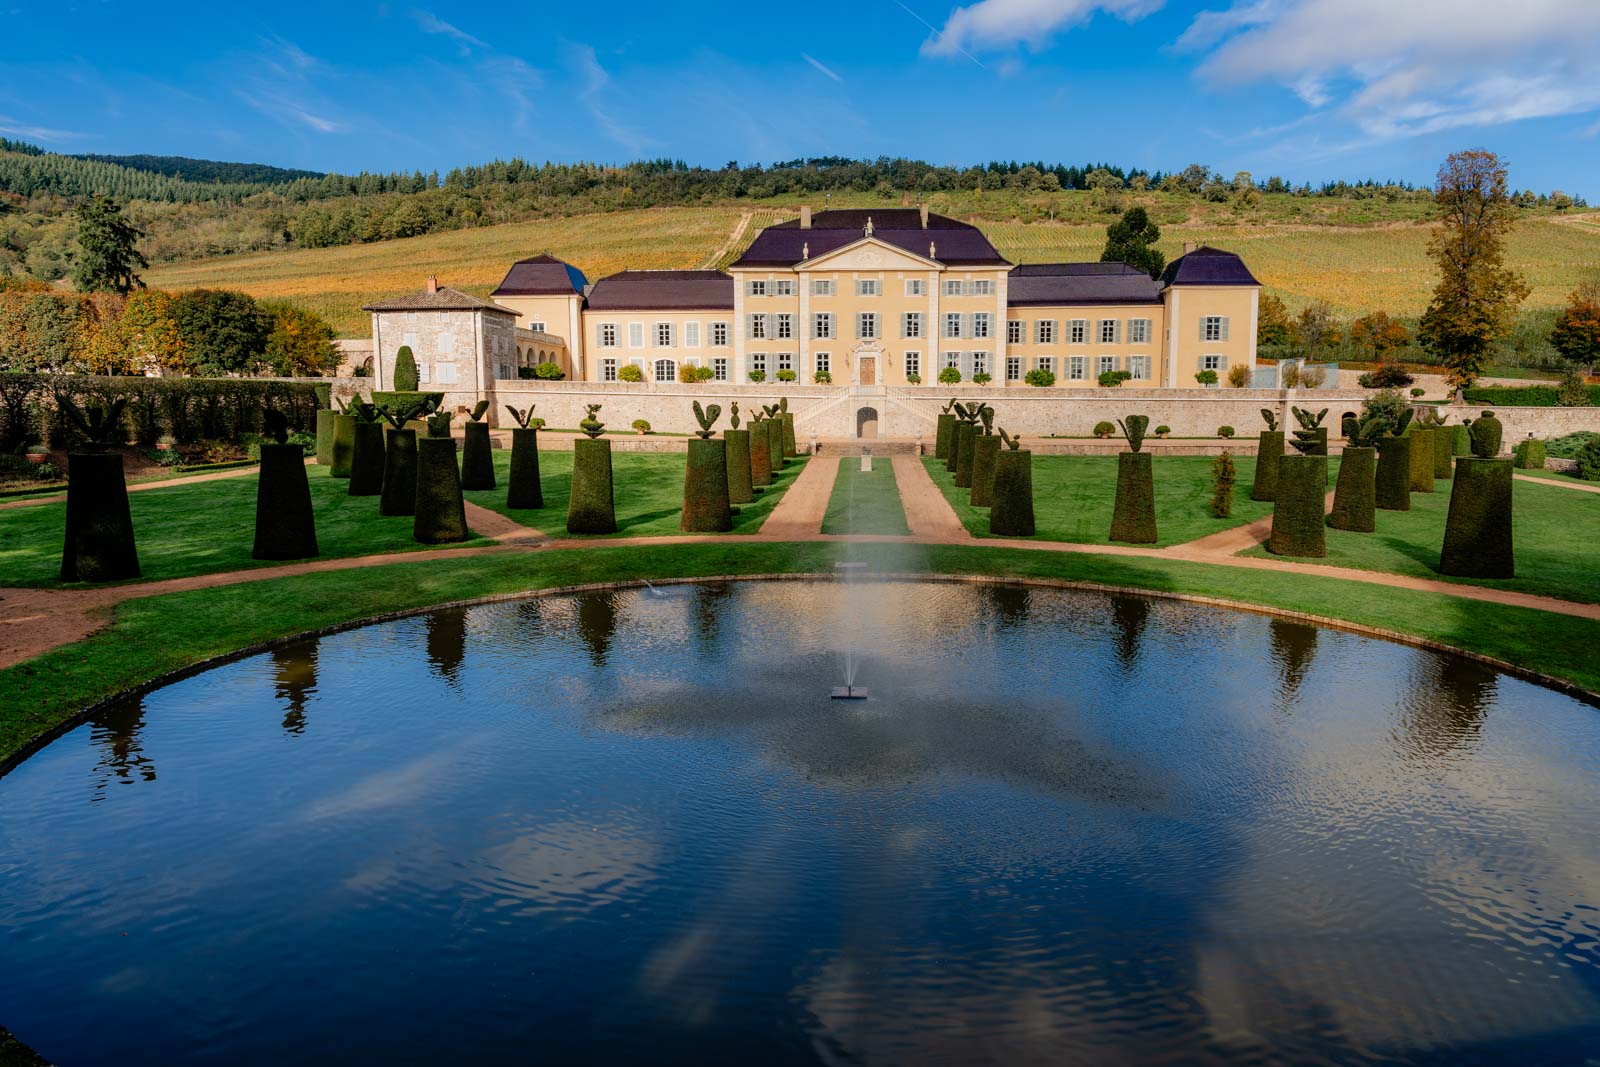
x=865 y=502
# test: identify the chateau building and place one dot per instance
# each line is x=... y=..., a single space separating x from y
x=865 y=298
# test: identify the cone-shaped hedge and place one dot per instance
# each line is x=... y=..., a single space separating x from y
x=441 y=515
x=1321 y=449
x=285 y=528
x=477 y=461
x=1297 y=522
x=99 y=543
x=399 y=495
x=1421 y=480
x=366 y=459
x=1353 y=496
x=775 y=443
x=1460 y=440
x=525 y=490
x=1391 y=488
x=1133 y=520
x=966 y=436
x=1477 y=534
x=325 y=419
x=941 y=439
x=705 y=488
x=591 y=509
x=1011 y=514
x=1443 y=452
x=790 y=446
x=741 y=490
x=1267 y=453
x=344 y=445
x=760 y=453
x=953 y=453
x=985 y=449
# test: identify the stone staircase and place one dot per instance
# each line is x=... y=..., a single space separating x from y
x=880 y=446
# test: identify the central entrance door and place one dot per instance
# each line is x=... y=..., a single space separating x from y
x=869 y=370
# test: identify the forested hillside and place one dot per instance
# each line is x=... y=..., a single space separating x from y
x=206 y=170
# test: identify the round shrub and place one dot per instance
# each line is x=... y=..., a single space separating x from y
x=1162 y=431
x=982 y=378
x=1589 y=460
x=1386 y=376
x=641 y=426
x=630 y=373
x=758 y=376
x=1104 y=429
x=1529 y=454
x=950 y=375
x=786 y=375
x=1113 y=378
x=1419 y=392
x=1206 y=377
x=549 y=372
x=822 y=377
x=1040 y=377
x=1225 y=431
x=913 y=379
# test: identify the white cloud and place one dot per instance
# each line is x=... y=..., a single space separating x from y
x=1397 y=69
x=818 y=64
x=12 y=127
x=290 y=111
x=428 y=22
x=595 y=82
x=991 y=25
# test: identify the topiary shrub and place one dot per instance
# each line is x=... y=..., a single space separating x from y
x=1206 y=378
x=982 y=378
x=1223 y=477
x=760 y=452
x=1419 y=392
x=791 y=447
x=1239 y=376
x=1354 y=497
x=549 y=371
x=99 y=544
x=945 y=429
x=477 y=457
x=1225 y=432
x=366 y=451
x=630 y=372
x=985 y=451
x=1385 y=376
x=1133 y=518
x=1163 y=431
x=786 y=375
x=1421 y=480
x=591 y=508
x=706 y=507
x=399 y=495
x=966 y=437
x=1040 y=378
x=774 y=437
x=524 y=490
x=1477 y=533
x=1104 y=429
x=325 y=419
x=1297 y=519
x=1392 y=481
x=913 y=379
x=1011 y=514
x=950 y=375
x=1529 y=454
x=758 y=376
x=344 y=444
x=822 y=377
x=1486 y=432
x=285 y=527
x=440 y=513
x=1113 y=378
x=741 y=490
x=1269 y=449
x=398 y=400
x=406 y=379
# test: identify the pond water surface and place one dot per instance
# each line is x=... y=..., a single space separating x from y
x=631 y=826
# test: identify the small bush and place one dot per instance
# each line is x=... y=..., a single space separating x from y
x=950 y=376
x=1225 y=431
x=1529 y=454
x=525 y=374
x=786 y=375
x=641 y=426
x=536 y=424
x=913 y=379
x=1162 y=431
x=1040 y=377
x=982 y=378
x=549 y=372
x=1223 y=476
x=1104 y=429
x=1289 y=376
x=1589 y=460
x=758 y=376
x=823 y=377
x=1113 y=378
x=1239 y=376
x=1206 y=377
x=1419 y=392
x=630 y=373
x=1386 y=376
x=1387 y=403
x=1313 y=377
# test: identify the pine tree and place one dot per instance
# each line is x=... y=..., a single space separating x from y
x=1131 y=239
x=107 y=252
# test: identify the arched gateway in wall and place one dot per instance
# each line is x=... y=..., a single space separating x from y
x=867 y=423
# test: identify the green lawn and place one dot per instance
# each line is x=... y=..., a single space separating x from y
x=647 y=488
x=201 y=528
x=1553 y=533
x=1073 y=497
x=865 y=502
x=153 y=635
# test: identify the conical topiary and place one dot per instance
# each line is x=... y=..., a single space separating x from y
x=741 y=489
x=441 y=513
x=1353 y=499
x=1297 y=514
x=1421 y=480
x=966 y=437
x=524 y=492
x=942 y=435
x=405 y=371
x=760 y=453
x=285 y=526
x=1133 y=519
x=1392 y=483
x=399 y=495
x=477 y=457
x=591 y=508
x=367 y=459
x=705 y=478
x=1477 y=533
x=344 y=444
x=1268 y=451
x=99 y=544
x=985 y=450
x=325 y=417
x=1011 y=514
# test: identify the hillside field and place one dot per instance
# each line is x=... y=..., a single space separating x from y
x=1355 y=268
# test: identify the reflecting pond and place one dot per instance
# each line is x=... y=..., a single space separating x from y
x=632 y=826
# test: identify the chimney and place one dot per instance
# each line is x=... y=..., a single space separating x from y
x=433 y=284
x=805 y=216
x=1188 y=246
x=924 y=216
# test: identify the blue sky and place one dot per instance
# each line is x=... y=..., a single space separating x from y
x=1310 y=89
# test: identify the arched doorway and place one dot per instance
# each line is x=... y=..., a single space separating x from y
x=867 y=422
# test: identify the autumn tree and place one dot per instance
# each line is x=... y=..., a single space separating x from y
x=107 y=249
x=1380 y=335
x=1475 y=301
x=1131 y=239
x=150 y=334
x=1316 y=329
x=223 y=332
x=301 y=342
x=1577 y=330
x=1273 y=325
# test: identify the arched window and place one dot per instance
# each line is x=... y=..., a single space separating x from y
x=666 y=370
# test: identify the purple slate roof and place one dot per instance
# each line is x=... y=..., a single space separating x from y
x=542 y=275
x=1053 y=284
x=1208 y=266
x=663 y=290
x=954 y=242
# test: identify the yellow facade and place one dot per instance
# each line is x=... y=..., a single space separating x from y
x=660 y=343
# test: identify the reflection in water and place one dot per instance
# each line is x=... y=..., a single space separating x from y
x=115 y=731
x=1128 y=617
x=1008 y=605
x=447 y=643
x=1293 y=648
x=1444 y=706
x=597 y=623
x=710 y=604
x=294 y=677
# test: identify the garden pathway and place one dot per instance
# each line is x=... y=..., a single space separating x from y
x=1558 y=484
x=928 y=513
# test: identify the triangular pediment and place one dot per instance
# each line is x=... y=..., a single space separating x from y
x=869 y=253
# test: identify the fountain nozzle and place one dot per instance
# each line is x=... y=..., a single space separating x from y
x=849 y=692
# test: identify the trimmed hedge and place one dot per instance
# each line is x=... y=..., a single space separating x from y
x=740 y=488
x=325 y=417
x=1133 y=519
x=790 y=445
x=1444 y=438
x=285 y=526
x=965 y=438
x=954 y=452
x=399 y=495
x=760 y=453
x=344 y=445
x=367 y=460
x=99 y=544
x=1267 y=452
x=1529 y=454
x=1421 y=480
x=1297 y=520
x=1353 y=495
x=1460 y=439
x=404 y=398
x=941 y=440
x=591 y=508
x=1522 y=396
x=477 y=460
x=1477 y=533
x=524 y=489
x=985 y=450
x=441 y=513
x=775 y=443
x=1011 y=514
x=705 y=488
x=1392 y=483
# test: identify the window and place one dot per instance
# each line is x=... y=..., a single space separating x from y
x=785 y=325
x=952 y=359
x=783 y=288
x=1138 y=331
x=821 y=287
x=1014 y=331
x=536 y=326
x=822 y=325
x=1139 y=367
x=608 y=370
x=1044 y=332
x=755 y=288
x=980 y=363
x=913 y=364
x=719 y=368
x=981 y=288
x=867 y=326
x=915 y=287
x=867 y=287
x=1105 y=363
x=422 y=372
x=757 y=327
x=1110 y=331
x=1047 y=363
x=1213 y=328
x=445 y=344
x=1078 y=331
x=691 y=334
x=822 y=363
x=1216 y=363
x=758 y=362
x=719 y=335
x=786 y=361
x=635 y=335
x=1013 y=368
x=1077 y=368
x=952 y=324
x=502 y=370
x=608 y=335
x=911 y=324
x=663 y=335
x=447 y=374
x=953 y=288
x=980 y=324
x=666 y=370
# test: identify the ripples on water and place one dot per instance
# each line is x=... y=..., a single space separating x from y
x=631 y=826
